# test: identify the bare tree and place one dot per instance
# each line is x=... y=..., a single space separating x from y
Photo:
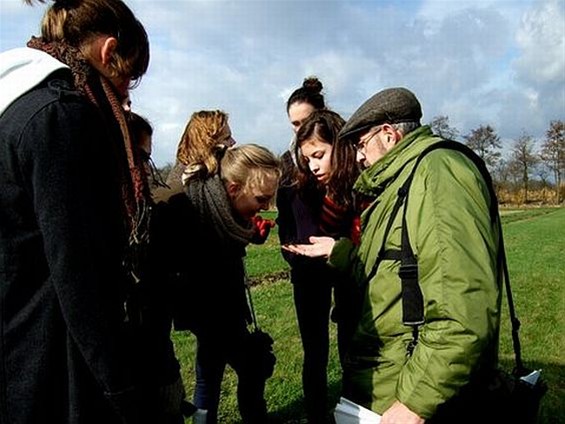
x=524 y=159
x=440 y=126
x=542 y=171
x=553 y=153
x=501 y=177
x=486 y=143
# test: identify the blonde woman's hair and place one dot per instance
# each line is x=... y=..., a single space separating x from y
x=78 y=22
x=201 y=140
x=250 y=166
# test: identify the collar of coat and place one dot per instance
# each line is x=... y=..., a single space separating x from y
x=378 y=176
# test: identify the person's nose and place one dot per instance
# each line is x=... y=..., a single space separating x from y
x=262 y=207
x=360 y=156
x=314 y=168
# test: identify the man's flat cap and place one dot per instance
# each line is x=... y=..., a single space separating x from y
x=392 y=106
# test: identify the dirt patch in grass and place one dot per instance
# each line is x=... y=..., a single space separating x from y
x=269 y=278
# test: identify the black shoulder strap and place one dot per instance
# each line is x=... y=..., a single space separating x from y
x=412 y=299
x=249 y=297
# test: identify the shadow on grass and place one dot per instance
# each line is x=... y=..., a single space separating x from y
x=552 y=408
x=294 y=412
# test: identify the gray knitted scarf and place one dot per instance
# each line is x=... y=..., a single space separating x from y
x=210 y=199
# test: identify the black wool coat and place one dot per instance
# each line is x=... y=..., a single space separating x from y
x=206 y=273
x=298 y=218
x=64 y=348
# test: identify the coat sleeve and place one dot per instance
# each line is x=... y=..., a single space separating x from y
x=70 y=175
x=456 y=245
x=343 y=255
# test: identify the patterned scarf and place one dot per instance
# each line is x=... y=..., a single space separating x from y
x=335 y=220
x=134 y=186
x=210 y=199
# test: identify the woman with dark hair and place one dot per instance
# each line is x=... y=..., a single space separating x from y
x=74 y=205
x=301 y=103
x=156 y=354
x=315 y=198
x=305 y=100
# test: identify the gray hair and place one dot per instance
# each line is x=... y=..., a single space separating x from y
x=406 y=127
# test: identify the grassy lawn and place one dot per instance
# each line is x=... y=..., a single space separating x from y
x=535 y=245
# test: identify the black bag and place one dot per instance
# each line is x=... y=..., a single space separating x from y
x=501 y=396
x=259 y=344
x=259 y=347
x=514 y=394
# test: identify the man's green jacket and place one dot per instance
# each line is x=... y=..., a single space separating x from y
x=456 y=246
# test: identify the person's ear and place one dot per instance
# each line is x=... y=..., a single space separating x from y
x=100 y=53
x=107 y=50
x=392 y=134
x=233 y=189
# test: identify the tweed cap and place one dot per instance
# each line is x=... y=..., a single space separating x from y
x=393 y=105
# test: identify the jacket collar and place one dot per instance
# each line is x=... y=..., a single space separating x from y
x=378 y=176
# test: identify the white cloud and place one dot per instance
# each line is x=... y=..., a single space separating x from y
x=542 y=43
x=497 y=62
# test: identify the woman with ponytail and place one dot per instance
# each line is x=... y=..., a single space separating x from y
x=315 y=199
x=74 y=217
x=209 y=225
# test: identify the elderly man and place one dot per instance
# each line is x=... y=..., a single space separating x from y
x=415 y=363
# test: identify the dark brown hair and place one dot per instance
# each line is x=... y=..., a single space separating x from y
x=325 y=125
x=77 y=21
x=139 y=125
x=310 y=92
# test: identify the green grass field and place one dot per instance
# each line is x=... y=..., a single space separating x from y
x=535 y=245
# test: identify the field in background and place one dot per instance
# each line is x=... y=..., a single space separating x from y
x=535 y=245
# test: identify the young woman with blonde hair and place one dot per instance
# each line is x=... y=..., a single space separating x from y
x=208 y=228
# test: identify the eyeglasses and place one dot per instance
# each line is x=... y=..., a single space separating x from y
x=363 y=141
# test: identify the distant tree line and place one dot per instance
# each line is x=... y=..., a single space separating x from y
x=533 y=170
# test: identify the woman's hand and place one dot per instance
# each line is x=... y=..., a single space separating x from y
x=320 y=247
x=262 y=228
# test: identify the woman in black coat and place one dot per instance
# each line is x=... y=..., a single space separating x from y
x=208 y=228
x=73 y=208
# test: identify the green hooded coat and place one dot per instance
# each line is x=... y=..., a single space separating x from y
x=456 y=246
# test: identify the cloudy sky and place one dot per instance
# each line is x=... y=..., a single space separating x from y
x=496 y=62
